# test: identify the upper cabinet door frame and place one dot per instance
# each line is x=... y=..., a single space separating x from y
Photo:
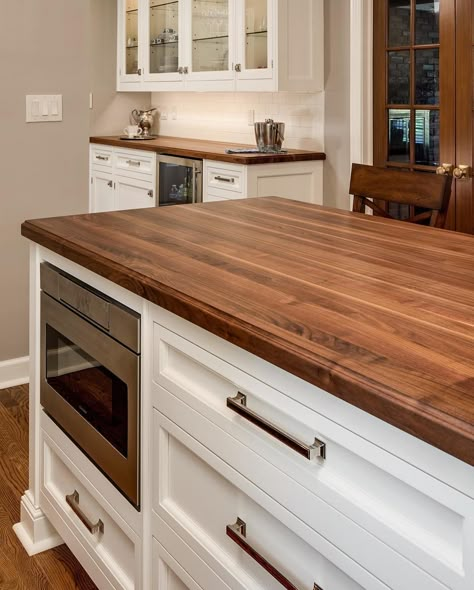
x=175 y=78
x=212 y=79
x=122 y=40
x=249 y=23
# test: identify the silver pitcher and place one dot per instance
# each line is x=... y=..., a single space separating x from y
x=144 y=119
x=269 y=135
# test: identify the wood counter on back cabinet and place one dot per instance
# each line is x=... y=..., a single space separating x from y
x=374 y=311
x=210 y=150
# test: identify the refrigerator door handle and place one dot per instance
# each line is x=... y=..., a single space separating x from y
x=197 y=195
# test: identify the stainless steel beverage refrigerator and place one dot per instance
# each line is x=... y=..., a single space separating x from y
x=179 y=180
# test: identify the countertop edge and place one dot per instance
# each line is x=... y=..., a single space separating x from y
x=449 y=435
x=246 y=160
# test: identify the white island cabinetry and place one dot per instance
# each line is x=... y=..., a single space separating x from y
x=250 y=478
x=322 y=503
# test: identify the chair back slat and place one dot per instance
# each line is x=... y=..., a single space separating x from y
x=418 y=189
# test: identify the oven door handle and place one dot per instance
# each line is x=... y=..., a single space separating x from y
x=73 y=502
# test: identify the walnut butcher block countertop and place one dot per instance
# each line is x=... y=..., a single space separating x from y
x=210 y=150
x=377 y=312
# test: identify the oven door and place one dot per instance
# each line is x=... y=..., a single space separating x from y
x=89 y=387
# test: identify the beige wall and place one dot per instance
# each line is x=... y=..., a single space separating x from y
x=43 y=166
x=60 y=47
x=337 y=106
x=111 y=109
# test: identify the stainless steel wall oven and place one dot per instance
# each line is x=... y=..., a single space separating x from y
x=90 y=374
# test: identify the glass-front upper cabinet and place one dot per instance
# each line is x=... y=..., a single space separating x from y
x=130 y=39
x=211 y=29
x=255 y=59
x=164 y=39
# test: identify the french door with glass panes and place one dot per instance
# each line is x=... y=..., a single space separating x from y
x=423 y=93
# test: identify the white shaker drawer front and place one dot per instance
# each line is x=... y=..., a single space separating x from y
x=79 y=517
x=101 y=156
x=202 y=498
x=226 y=179
x=413 y=514
x=134 y=161
x=325 y=529
x=176 y=566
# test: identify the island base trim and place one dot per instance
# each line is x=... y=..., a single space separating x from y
x=34 y=530
x=14 y=372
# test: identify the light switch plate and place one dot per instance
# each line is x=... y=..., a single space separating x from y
x=44 y=108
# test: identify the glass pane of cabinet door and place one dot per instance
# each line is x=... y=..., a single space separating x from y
x=211 y=39
x=131 y=38
x=255 y=37
x=164 y=34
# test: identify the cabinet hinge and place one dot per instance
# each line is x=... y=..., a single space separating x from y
x=272 y=64
x=92 y=180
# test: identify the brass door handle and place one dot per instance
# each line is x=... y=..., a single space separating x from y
x=239 y=405
x=238 y=532
x=73 y=502
x=462 y=171
x=445 y=170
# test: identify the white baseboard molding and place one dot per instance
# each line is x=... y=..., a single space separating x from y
x=14 y=372
x=34 y=530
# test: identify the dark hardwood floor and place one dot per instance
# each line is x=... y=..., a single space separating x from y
x=51 y=570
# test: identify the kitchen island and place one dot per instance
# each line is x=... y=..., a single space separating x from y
x=351 y=335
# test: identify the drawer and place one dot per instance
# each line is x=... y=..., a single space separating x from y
x=205 y=514
x=134 y=161
x=413 y=515
x=226 y=179
x=176 y=566
x=87 y=522
x=101 y=156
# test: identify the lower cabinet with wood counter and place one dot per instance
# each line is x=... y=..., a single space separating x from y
x=251 y=477
x=123 y=173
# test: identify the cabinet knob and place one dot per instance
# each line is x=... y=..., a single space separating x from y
x=139 y=72
x=238 y=67
x=185 y=70
x=110 y=184
x=150 y=194
x=180 y=70
x=462 y=171
x=445 y=170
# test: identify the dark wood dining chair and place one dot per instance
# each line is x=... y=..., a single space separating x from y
x=418 y=190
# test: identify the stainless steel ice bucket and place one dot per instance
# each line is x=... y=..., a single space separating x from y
x=269 y=135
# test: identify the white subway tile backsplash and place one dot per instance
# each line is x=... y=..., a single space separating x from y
x=223 y=116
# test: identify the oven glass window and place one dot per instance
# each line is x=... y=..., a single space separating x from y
x=90 y=388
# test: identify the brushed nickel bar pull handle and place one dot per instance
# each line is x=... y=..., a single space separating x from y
x=133 y=162
x=239 y=405
x=73 y=501
x=224 y=179
x=105 y=158
x=238 y=532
